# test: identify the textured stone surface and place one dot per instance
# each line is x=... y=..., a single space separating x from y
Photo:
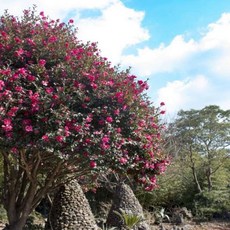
x=71 y=210
x=125 y=199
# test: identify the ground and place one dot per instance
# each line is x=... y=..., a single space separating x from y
x=212 y=225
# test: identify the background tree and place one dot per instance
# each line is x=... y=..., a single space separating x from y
x=203 y=136
x=198 y=177
x=66 y=111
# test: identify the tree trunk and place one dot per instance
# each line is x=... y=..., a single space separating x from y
x=17 y=224
x=17 y=218
x=194 y=171
x=196 y=180
x=209 y=178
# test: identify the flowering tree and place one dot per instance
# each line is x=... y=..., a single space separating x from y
x=65 y=111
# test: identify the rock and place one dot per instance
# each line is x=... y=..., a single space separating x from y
x=180 y=215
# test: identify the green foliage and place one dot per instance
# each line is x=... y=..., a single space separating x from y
x=175 y=189
x=34 y=222
x=209 y=204
x=3 y=216
x=130 y=220
x=197 y=142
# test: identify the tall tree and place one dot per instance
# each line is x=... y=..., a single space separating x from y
x=203 y=137
x=64 y=110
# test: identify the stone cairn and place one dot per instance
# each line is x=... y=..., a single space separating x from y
x=71 y=210
x=124 y=199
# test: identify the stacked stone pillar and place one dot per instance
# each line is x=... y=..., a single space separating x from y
x=124 y=199
x=71 y=210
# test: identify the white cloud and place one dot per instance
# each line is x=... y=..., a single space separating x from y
x=117 y=28
x=181 y=55
x=217 y=35
x=163 y=59
x=54 y=8
x=185 y=94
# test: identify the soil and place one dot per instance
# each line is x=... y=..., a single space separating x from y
x=212 y=225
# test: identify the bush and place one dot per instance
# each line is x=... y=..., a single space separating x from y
x=66 y=111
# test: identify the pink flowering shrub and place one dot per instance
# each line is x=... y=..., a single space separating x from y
x=64 y=109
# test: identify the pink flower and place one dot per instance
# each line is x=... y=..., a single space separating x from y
x=67 y=57
x=2 y=84
x=7 y=125
x=149 y=187
x=17 y=40
x=4 y=34
x=19 y=52
x=30 y=78
x=21 y=71
x=162 y=103
x=77 y=128
x=119 y=95
x=29 y=128
x=101 y=122
x=55 y=96
x=49 y=90
x=14 y=150
x=162 y=112
x=42 y=62
x=93 y=164
x=52 y=39
x=45 y=138
x=87 y=99
x=140 y=82
x=45 y=83
x=18 y=88
x=93 y=85
x=59 y=138
x=142 y=180
x=87 y=140
x=123 y=160
x=91 y=77
x=109 y=119
x=105 y=139
x=71 y=21
x=118 y=130
x=117 y=112
x=105 y=146
x=153 y=180
x=30 y=42
x=12 y=111
x=88 y=119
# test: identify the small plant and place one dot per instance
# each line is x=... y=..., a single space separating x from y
x=3 y=216
x=129 y=219
x=105 y=227
x=160 y=216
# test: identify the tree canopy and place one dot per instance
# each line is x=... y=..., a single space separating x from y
x=64 y=110
x=203 y=136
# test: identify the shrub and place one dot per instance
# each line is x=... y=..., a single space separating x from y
x=66 y=111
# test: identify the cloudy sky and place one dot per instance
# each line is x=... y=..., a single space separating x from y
x=181 y=46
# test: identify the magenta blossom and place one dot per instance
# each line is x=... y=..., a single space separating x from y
x=109 y=119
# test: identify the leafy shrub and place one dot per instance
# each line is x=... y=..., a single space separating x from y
x=66 y=111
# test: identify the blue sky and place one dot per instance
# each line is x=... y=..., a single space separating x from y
x=181 y=46
x=167 y=18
